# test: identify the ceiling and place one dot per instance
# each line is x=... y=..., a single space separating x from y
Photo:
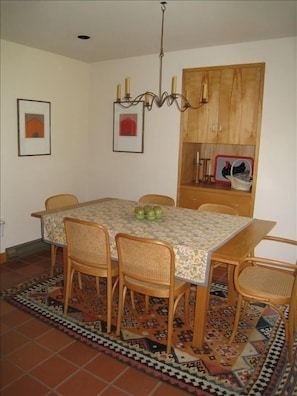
x=121 y=29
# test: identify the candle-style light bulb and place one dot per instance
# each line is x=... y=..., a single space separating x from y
x=204 y=93
x=119 y=89
x=146 y=98
x=127 y=87
x=173 y=85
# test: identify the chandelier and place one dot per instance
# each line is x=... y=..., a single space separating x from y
x=150 y=98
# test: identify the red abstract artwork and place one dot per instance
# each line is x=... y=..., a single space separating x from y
x=128 y=125
x=34 y=125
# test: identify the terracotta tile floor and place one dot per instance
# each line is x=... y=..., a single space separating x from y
x=38 y=360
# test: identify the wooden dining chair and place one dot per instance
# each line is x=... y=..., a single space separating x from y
x=156 y=199
x=57 y=202
x=271 y=282
x=88 y=252
x=147 y=266
x=218 y=208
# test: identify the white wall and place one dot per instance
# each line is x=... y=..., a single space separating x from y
x=26 y=182
x=130 y=175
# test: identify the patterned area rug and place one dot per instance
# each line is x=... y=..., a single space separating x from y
x=255 y=364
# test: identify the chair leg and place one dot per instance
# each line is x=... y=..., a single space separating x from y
x=231 y=286
x=79 y=280
x=291 y=330
x=245 y=307
x=109 y=301
x=97 y=286
x=147 y=302
x=67 y=287
x=122 y=293
x=236 y=319
x=187 y=306
x=132 y=298
x=170 y=324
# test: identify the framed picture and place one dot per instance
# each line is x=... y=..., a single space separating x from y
x=34 y=127
x=223 y=163
x=128 y=128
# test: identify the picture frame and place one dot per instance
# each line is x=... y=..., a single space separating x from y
x=128 y=127
x=34 y=127
x=220 y=166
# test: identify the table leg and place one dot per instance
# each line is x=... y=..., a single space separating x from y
x=65 y=267
x=201 y=306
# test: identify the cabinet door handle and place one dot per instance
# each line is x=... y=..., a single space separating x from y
x=220 y=128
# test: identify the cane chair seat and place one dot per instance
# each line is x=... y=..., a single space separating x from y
x=147 y=266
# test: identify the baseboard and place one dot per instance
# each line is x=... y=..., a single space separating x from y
x=25 y=249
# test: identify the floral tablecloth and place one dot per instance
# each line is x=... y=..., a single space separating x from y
x=193 y=234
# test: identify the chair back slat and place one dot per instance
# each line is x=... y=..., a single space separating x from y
x=60 y=201
x=218 y=208
x=157 y=199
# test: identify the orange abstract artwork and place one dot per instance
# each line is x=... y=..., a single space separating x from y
x=128 y=125
x=34 y=125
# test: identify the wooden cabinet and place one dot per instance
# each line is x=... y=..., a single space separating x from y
x=229 y=124
x=232 y=113
x=192 y=197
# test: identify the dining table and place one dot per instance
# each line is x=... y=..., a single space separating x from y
x=197 y=237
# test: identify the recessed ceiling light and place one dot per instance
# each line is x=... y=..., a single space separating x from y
x=83 y=37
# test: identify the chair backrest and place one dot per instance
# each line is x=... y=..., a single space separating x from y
x=87 y=242
x=144 y=259
x=218 y=208
x=60 y=201
x=157 y=199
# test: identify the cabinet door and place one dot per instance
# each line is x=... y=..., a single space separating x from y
x=192 y=90
x=207 y=116
x=239 y=105
x=251 y=103
x=198 y=125
x=231 y=115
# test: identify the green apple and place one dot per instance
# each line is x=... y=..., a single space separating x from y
x=158 y=212
x=139 y=212
x=150 y=214
x=147 y=208
x=139 y=216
